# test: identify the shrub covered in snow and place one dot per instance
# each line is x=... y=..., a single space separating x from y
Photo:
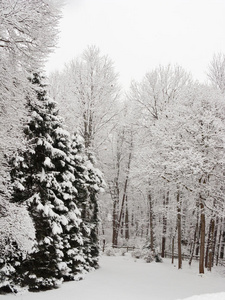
x=16 y=228
x=145 y=254
x=137 y=253
x=17 y=236
x=109 y=251
x=148 y=255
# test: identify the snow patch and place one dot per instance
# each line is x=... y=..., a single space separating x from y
x=214 y=296
x=19 y=186
x=62 y=266
x=56 y=228
x=48 y=163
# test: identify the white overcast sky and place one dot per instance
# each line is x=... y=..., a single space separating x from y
x=138 y=35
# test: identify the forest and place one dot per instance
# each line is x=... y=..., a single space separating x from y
x=87 y=167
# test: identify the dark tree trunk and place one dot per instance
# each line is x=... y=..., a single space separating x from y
x=214 y=240
x=151 y=223
x=173 y=239
x=202 y=239
x=163 y=246
x=207 y=246
x=179 y=230
x=198 y=240
x=127 y=234
x=219 y=242
x=165 y=204
x=122 y=224
x=211 y=245
x=115 y=198
x=222 y=243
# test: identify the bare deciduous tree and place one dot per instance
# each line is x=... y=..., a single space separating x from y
x=216 y=72
x=90 y=90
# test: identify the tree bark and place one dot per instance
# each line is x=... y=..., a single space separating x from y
x=222 y=242
x=211 y=245
x=115 y=197
x=165 y=204
x=122 y=223
x=173 y=239
x=214 y=240
x=151 y=223
x=198 y=240
x=127 y=234
x=179 y=230
x=207 y=247
x=202 y=239
x=163 y=246
x=218 y=244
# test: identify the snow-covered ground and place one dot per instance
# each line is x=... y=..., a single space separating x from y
x=216 y=296
x=123 y=278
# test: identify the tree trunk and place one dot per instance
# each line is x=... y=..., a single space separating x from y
x=179 y=230
x=211 y=245
x=121 y=215
x=198 y=241
x=122 y=224
x=114 y=235
x=103 y=239
x=207 y=246
x=202 y=239
x=115 y=197
x=165 y=204
x=218 y=244
x=214 y=240
x=163 y=246
x=222 y=243
x=151 y=222
x=127 y=234
x=173 y=239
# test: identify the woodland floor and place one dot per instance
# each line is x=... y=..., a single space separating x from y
x=124 y=278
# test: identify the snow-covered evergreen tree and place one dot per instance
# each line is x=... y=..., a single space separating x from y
x=88 y=182
x=91 y=220
x=43 y=177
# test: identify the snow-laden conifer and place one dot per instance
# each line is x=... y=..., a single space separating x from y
x=43 y=178
x=89 y=183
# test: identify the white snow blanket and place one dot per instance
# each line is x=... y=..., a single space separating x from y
x=217 y=296
x=124 y=278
